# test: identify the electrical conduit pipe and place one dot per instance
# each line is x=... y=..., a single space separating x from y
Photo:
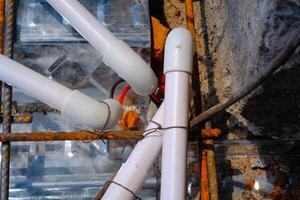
x=116 y=53
x=133 y=172
x=178 y=62
x=71 y=103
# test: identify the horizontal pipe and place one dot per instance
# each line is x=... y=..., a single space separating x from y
x=80 y=135
x=116 y=53
x=71 y=103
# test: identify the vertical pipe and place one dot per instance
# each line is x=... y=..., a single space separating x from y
x=7 y=98
x=177 y=67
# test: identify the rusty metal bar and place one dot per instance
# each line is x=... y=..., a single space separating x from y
x=81 y=135
x=7 y=97
x=205 y=190
x=212 y=171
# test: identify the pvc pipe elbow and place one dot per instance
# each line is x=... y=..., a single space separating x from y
x=179 y=51
x=94 y=114
x=131 y=67
x=116 y=53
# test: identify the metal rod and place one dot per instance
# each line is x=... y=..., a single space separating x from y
x=205 y=155
x=278 y=61
x=211 y=169
x=81 y=135
x=7 y=98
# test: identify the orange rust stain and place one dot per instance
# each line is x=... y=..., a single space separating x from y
x=190 y=16
x=249 y=183
x=110 y=137
x=130 y=120
x=204 y=177
x=27 y=119
x=208 y=133
x=17 y=118
x=160 y=33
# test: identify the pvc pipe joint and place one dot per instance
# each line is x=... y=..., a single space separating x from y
x=179 y=50
x=72 y=103
x=116 y=53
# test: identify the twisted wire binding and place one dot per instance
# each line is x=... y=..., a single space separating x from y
x=122 y=186
x=101 y=132
x=147 y=134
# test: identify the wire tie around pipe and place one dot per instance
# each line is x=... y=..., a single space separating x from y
x=122 y=186
x=101 y=132
x=159 y=127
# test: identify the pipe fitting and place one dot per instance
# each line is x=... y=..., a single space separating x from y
x=179 y=50
x=117 y=54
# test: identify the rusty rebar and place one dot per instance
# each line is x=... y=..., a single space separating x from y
x=7 y=97
x=211 y=170
x=80 y=135
x=207 y=167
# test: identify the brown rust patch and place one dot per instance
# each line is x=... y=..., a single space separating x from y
x=249 y=183
x=208 y=133
x=160 y=33
x=130 y=120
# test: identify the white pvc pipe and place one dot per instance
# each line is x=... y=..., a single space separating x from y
x=133 y=173
x=72 y=103
x=177 y=67
x=116 y=54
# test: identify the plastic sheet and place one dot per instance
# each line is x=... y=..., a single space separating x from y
x=47 y=43
x=37 y=21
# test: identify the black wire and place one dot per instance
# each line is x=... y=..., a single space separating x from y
x=147 y=134
x=122 y=186
x=102 y=133
x=115 y=85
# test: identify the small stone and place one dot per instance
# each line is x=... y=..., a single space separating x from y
x=258 y=164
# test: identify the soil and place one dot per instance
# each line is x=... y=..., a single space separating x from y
x=235 y=41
